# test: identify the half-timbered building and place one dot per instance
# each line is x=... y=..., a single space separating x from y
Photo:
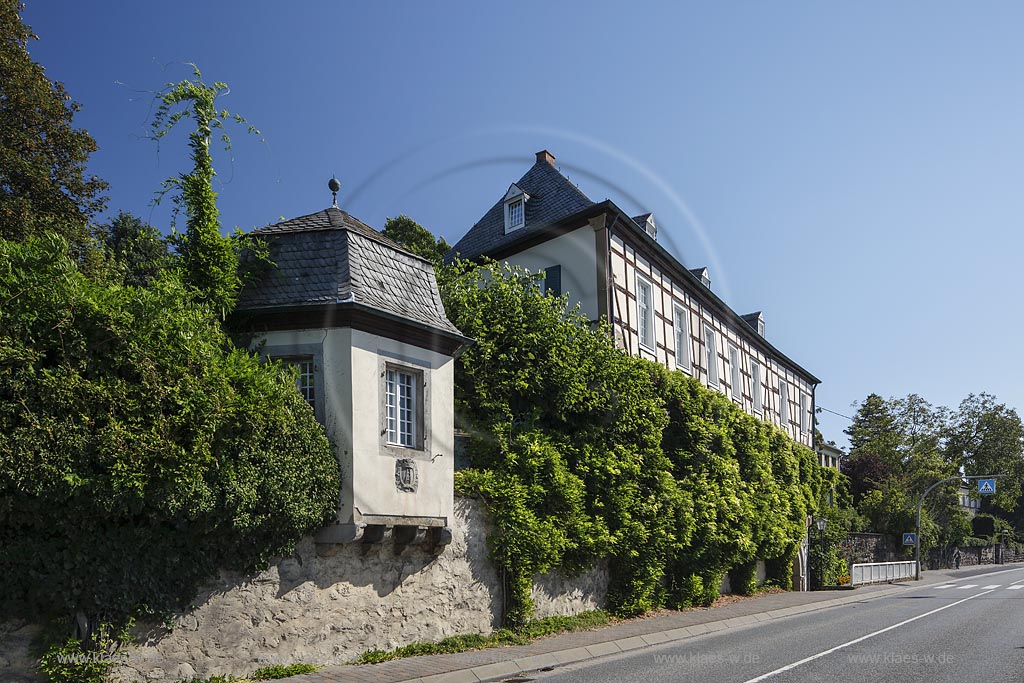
x=613 y=266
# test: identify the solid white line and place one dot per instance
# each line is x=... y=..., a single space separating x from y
x=948 y=585
x=805 y=660
x=965 y=586
x=994 y=585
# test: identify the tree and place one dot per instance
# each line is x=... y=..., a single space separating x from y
x=137 y=248
x=43 y=180
x=209 y=259
x=874 y=431
x=416 y=238
x=140 y=451
x=986 y=437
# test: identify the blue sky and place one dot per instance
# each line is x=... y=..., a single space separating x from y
x=854 y=170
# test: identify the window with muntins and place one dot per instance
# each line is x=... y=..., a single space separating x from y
x=682 y=334
x=784 y=403
x=401 y=396
x=515 y=214
x=735 y=373
x=711 y=351
x=645 y=312
x=304 y=380
x=756 y=390
x=805 y=414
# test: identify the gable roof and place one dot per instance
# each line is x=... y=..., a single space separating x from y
x=330 y=257
x=551 y=197
x=566 y=207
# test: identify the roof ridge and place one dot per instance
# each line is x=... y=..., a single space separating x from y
x=326 y=219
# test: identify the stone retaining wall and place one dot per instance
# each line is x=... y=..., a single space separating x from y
x=329 y=609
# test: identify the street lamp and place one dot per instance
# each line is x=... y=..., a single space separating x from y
x=821 y=523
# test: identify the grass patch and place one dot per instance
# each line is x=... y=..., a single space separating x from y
x=533 y=629
x=267 y=673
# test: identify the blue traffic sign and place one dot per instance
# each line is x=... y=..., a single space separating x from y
x=909 y=539
x=986 y=487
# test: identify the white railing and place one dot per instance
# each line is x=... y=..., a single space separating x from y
x=881 y=572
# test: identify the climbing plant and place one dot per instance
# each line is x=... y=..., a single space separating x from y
x=209 y=260
x=584 y=452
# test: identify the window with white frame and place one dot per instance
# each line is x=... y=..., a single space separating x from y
x=682 y=335
x=756 y=390
x=306 y=362
x=784 y=403
x=711 y=356
x=735 y=373
x=805 y=414
x=304 y=379
x=645 y=311
x=403 y=406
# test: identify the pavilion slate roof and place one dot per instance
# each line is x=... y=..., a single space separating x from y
x=551 y=197
x=330 y=257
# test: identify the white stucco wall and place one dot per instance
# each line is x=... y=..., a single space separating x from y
x=576 y=253
x=351 y=363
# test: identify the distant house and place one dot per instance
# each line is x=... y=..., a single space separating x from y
x=829 y=456
x=968 y=503
x=361 y=320
x=612 y=264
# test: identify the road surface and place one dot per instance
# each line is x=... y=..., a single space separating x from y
x=970 y=628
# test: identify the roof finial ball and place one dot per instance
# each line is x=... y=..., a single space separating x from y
x=334 y=185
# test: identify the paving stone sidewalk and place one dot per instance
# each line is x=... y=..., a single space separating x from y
x=491 y=663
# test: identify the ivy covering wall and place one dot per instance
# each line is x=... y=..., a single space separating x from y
x=583 y=452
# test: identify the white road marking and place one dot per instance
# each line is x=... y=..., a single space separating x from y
x=948 y=585
x=987 y=588
x=966 y=586
x=805 y=660
x=1015 y=588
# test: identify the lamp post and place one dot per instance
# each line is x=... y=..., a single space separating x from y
x=917 y=544
x=821 y=523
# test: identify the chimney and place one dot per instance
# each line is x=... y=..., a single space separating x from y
x=547 y=156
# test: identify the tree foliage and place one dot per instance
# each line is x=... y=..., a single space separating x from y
x=140 y=451
x=901 y=446
x=43 y=179
x=584 y=452
x=138 y=251
x=416 y=238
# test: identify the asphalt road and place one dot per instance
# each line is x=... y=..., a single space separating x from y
x=970 y=628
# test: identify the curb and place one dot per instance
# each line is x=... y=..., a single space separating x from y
x=516 y=667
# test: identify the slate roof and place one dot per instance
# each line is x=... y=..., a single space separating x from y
x=553 y=200
x=330 y=257
x=751 y=319
x=552 y=197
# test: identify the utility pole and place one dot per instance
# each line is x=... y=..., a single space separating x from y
x=917 y=544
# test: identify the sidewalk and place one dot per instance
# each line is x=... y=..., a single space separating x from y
x=500 y=662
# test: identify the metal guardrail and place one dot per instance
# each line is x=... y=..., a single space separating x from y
x=882 y=572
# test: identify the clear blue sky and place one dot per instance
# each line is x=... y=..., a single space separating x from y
x=854 y=170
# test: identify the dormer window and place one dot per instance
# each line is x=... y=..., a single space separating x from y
x=515 y=208
x=702 y=275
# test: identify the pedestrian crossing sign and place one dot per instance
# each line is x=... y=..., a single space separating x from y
x=909 y=539
x=986 y=487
